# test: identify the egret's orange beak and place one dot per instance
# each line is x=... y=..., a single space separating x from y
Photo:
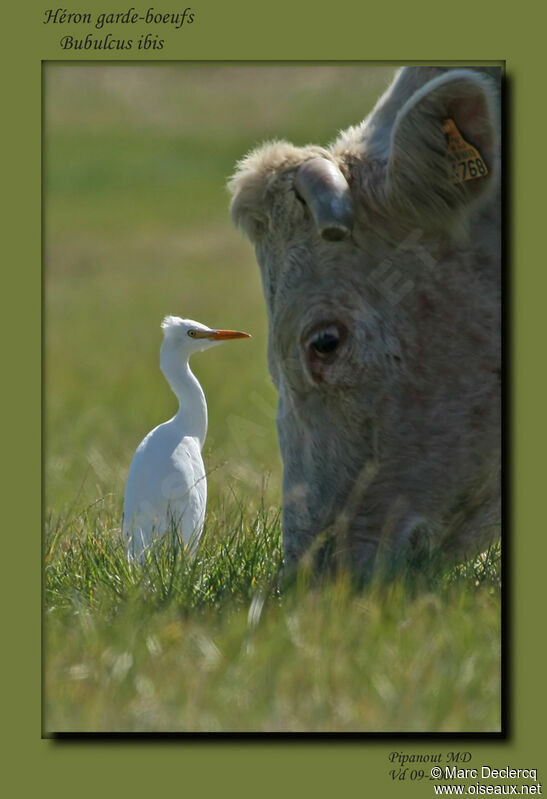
x=221 y=335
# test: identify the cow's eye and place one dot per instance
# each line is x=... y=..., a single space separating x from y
x=324 y=345
x=326 y=341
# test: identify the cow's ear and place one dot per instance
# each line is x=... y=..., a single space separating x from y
x=444 y=149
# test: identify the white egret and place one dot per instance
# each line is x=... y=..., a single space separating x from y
x=167 y=485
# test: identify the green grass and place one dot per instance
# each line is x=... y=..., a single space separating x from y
x=136 y=227
x=219 y=643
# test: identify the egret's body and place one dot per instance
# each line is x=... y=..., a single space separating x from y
x=167 y=485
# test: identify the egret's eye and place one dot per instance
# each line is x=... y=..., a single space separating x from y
x=192 y=333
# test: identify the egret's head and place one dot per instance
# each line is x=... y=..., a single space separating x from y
x=184 y=336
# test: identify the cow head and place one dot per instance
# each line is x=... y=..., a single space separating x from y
x=379 y=259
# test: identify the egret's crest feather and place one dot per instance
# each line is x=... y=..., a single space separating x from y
x=170 y=324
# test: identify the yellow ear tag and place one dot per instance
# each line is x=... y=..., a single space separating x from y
x=465 y=162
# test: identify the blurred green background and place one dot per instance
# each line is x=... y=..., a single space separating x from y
x=137 y=226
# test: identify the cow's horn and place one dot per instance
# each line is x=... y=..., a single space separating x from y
x=325 y=191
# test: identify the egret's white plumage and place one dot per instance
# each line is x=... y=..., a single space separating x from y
x=167 y=485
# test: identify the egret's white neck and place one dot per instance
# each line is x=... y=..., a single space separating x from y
x=192 y=413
